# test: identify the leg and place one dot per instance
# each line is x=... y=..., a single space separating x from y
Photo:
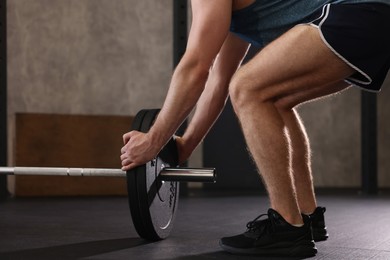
x=307 y=64
x=300 y=146
x=301 y=163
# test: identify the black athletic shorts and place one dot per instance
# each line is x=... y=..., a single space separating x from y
x=360 y=35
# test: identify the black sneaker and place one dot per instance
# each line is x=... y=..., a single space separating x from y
x=273 y=236
x=320 y=232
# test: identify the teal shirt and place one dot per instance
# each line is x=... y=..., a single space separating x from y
x=265 y=20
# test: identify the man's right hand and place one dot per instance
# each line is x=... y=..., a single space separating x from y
x=138 y=149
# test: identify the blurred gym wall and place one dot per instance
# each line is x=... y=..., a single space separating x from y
x=333 y=125
x=114 y=57
x=103 y=57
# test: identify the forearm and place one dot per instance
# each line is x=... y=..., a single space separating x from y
x=187 y=84
x=214 y=96
x=209 y=29
x=208 y=109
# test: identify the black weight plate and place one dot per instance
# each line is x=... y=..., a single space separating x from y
x=132 y=184
x=157 y=200
x=141 y=174
x=164 y=206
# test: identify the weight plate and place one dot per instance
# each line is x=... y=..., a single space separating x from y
x=132 y=184
x=157 y=200
x=142 y=174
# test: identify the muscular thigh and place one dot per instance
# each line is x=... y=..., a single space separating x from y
x=292 y=100
x=298 y=61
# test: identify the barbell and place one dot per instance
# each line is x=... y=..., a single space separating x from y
x=153 y=188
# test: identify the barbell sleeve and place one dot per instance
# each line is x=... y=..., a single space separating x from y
x=188 y=174
x=166 y=174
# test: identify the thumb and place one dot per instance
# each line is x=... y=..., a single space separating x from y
x=126 y=137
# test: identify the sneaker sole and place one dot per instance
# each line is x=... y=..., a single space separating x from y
x=301 y=250
x=320 y=234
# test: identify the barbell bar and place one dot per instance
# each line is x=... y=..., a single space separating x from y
x=166 y=174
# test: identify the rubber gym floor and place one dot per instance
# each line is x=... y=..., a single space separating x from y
x=101 y=228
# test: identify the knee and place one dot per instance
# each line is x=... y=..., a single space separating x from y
x=234 y=90
x=243 y=92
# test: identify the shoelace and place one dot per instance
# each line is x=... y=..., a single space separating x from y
x=259 y=225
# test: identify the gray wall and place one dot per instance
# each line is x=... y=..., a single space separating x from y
x=88 y=56
x=110 y=57
x=115 y=57
x=333 y=125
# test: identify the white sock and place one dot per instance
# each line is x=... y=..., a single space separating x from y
x=297 y=225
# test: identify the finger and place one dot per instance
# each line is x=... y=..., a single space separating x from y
x=126 y=137
x=123 y=149
x=129 y=166
x=123 y=156
x=126 y=160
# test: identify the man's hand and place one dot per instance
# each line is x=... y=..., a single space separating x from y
x=183 y=149
x=138 y=149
